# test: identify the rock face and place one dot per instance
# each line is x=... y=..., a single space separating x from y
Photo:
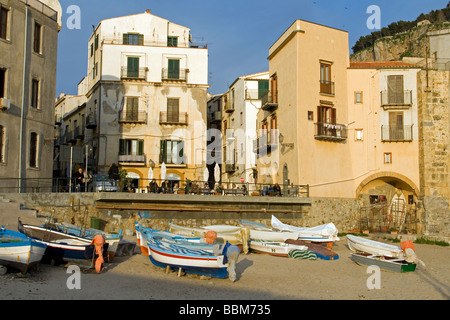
x=412 y=43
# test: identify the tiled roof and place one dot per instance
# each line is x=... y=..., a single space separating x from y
x=382 y=64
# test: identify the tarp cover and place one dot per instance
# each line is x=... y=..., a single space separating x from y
x=326 y=230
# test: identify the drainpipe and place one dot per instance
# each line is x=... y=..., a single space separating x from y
x=22 y=112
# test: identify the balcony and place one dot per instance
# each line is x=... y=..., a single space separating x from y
x=327 y=87
x=78 y=132
x=396 y=100
x=58 y=119
x=396 y=133
x=215 y=117
x=91 y=121
x=69 y=137
x=266 y=143
x=228 y=107
x=230 y=167
x=269 y=101
x=132 y=158
x=138 y=74
x=133 y=117
x=177 y=118
x=330 y=132
x=174 y=75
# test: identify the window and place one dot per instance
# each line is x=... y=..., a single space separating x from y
x=129 y=147
x=326 y=86
x=2 y=144
x=172 y=152
x=96 y=42
x=173 y=110
x=33 y=150
x=310 y=115
x=274 y=88
x=326 y=114
x=35 y=93
x=263 y=88
x=172 y=41
x=388 y=157
x=92 y=49
x=134 y=39
x=358 y=134
x=174 y=69
x=396 y=128
x=37 y=37
x=4 y=23
x=2 y=83
x=132 y=109
x=395 y=89
x=358 y=97
x=133 y=67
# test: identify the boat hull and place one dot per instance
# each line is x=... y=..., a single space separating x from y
x=359 y=244
x=280 y=249
x=384 y=263
x=320 y=251
x=21 y=255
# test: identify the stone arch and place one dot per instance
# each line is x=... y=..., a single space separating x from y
x=388 y=175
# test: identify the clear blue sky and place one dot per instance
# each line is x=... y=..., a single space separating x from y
x=238 y=32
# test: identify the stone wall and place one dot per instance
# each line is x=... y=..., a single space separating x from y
x=434 y=157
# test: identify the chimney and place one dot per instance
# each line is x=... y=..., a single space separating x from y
x=148 y=11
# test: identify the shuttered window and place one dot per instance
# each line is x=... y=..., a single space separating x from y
x=173 y=108
x=35 y=93
x=174 y=69
x=395 y=89
x=134 y=39
x=37 y=37
x=172 y=152
x=263 y=88
x=131 y=147
x=33 y=150
x=133 y=67
x=3 y=23
x=172 y=41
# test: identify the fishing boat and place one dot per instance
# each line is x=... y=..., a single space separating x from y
x=376 y=248
x=49 y=233
x=200 y=262
x=279 y=249
x=320 y=251
x=235 y=235
x=383 y=262
x=322 y=233
x=260 y=231
x=71 y=251
x=19 y=251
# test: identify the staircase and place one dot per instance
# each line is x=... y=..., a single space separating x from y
x=11 y=211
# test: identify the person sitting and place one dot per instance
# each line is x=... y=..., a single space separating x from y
x=277 y=190
x=153 y=187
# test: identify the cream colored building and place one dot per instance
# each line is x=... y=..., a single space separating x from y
x=146 y=98
x=28 y=50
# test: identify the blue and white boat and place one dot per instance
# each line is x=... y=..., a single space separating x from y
x=19 y=251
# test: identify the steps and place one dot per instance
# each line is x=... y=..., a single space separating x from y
x=11 y=211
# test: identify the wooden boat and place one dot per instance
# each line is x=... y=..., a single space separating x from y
x=71 y=251
x=260 y=231
x=19 y=251
x=279 y=249
x=235 y=235
x=201 y=262
x=49 y=233
x=383 y=262
x=376 y=248
x=320 y=251
x=322 y=233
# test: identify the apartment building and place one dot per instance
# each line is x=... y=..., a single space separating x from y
x=241 y=104
x=303 y=121
x=146 y=98
x=28 y=47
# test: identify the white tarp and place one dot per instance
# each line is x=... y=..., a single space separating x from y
x=325 y=232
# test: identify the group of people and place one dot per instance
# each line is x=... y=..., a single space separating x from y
x=165 y=187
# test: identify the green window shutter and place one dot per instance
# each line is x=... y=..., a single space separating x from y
x=141 y=147
x=121 y=147
x=174 y=68
x=141 y=40
x=133 y=67
x=125 y=38
x=263 y=88
x=163 y=151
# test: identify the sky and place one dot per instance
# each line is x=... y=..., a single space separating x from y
x=239 y=33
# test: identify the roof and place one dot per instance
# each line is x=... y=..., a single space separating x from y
x=382 y=64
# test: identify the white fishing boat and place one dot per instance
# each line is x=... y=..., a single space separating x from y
x=385 y=263
x=361 y=244
x=280 y=249
x=260 y=231
x=235 y=235
x=322 y=233
x=18 y=251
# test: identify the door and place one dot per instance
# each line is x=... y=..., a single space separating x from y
x=396 y=130
x=174 y=69
x=395 y=89
x=133 y=67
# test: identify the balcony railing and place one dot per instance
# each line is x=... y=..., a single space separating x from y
x=133 y=117
x=266 y=143
x=133 y=74
x=173 y=117
x=327 y=87
x=395 y=99
x=330 y=131
x=134 y=158
x=78 y=132
x=269 y=101
x=174 y=75
x=91 y=121
x=397 y=133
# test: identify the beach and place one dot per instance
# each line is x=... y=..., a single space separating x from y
x=259 y=277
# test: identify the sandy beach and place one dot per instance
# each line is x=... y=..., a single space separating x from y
x=259 y=277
